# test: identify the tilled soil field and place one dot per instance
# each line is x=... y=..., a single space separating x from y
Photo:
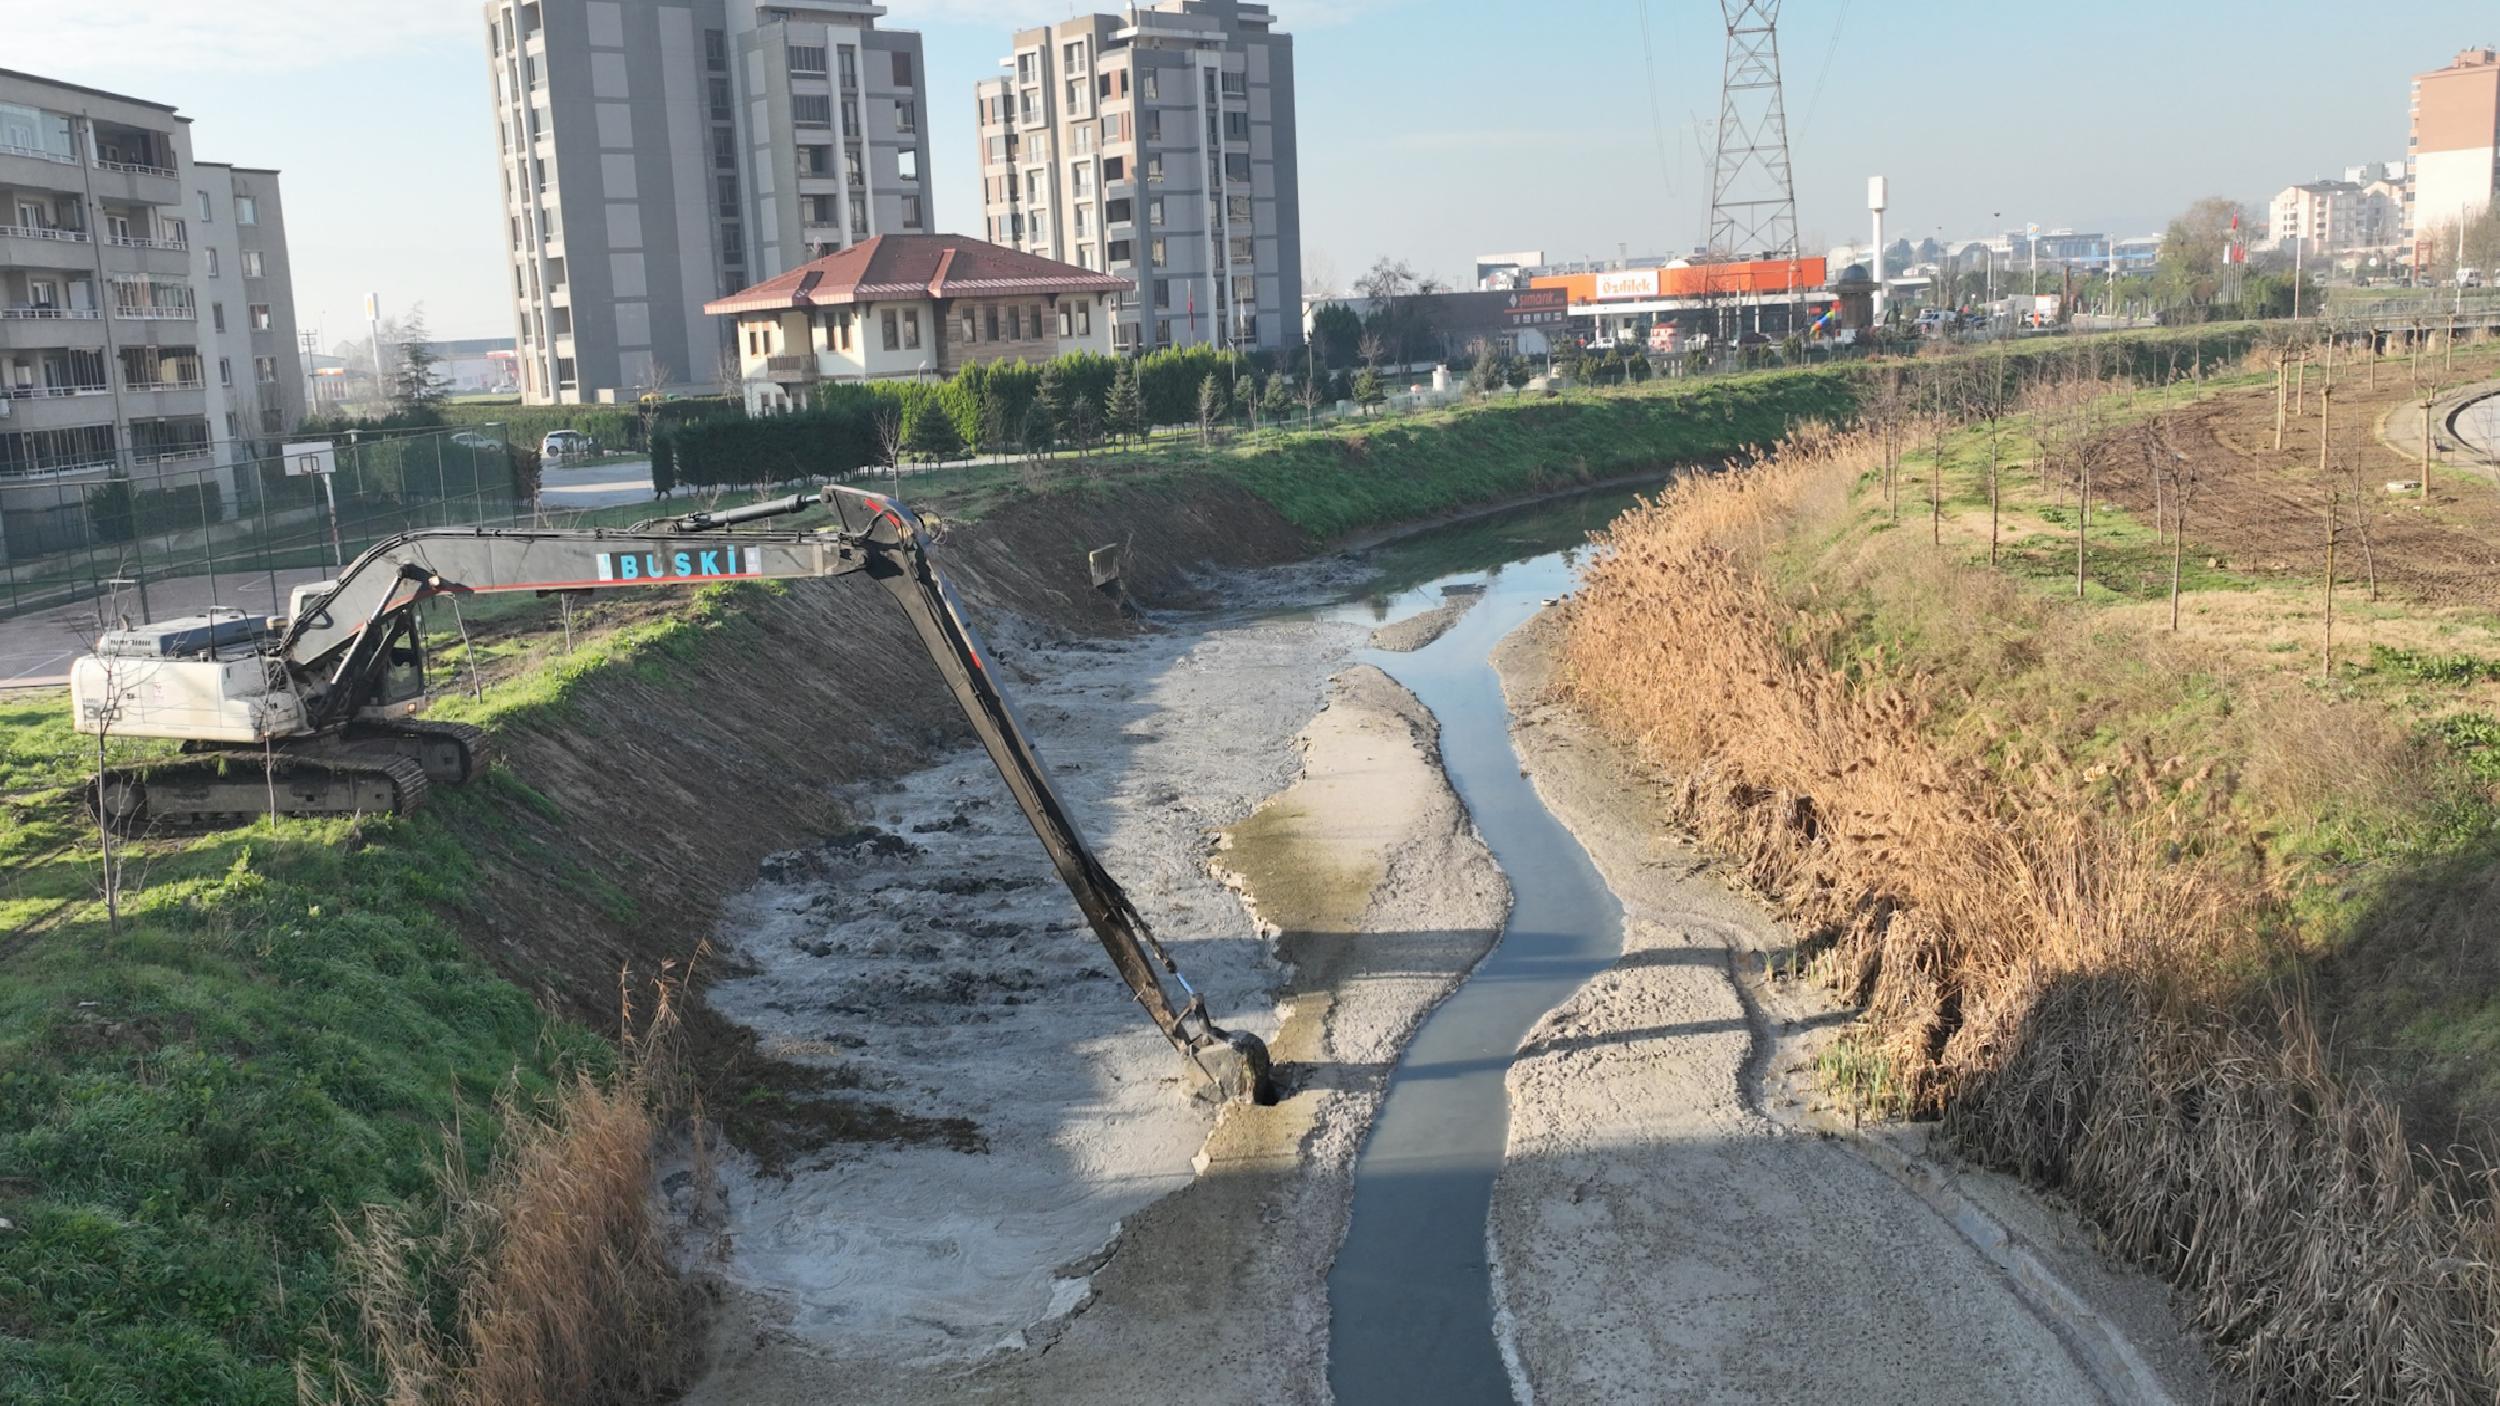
x=2258 y=511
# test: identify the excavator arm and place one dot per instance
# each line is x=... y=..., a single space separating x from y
x=336 y=643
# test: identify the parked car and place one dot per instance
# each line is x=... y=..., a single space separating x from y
x=477 y=440
x=560 y=445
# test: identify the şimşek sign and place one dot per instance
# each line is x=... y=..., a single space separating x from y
x=1628 y=283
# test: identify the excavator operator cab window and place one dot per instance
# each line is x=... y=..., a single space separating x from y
x=402 y=677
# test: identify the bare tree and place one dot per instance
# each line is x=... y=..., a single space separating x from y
x=887 y=424
x=118 y=680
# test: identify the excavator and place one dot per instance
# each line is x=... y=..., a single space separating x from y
x=313 y=714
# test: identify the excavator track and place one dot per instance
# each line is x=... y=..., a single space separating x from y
x=212 y=789
x=453 y=754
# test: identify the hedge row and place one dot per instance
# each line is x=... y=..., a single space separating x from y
x=115 y=513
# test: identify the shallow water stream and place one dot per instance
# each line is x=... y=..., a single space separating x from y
x=1410 y=1295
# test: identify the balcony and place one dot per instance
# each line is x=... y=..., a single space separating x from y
x=52 y=392
x=792 y=366
x=65 y=236
x=28 y=313
x=36 y=153
x=195 y=383
x=140 y=241
x=136 y=168
x=136 y=313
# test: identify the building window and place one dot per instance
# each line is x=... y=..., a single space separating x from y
x=246 y=210
x=1237 y=126
x=893 y=330
x=1154 y=170
x=217 y=316
x=273 y=419
x=1122 y=251
x=724 y=152
x=1154 y=85
x=1072 y=55
x=225 y=371
x=260 y=317
x=902 y=69
x=1154 y=125
x=205 y=216
x=1155 y=251
x=212 y=263
x=1163 y=292
x=1118 y=212
x=993 y=321
x=1236 y=166
x=715 y=49
x=807 y=58
x=252 y=266
x=1236 y=85
x=1154 y=211
x=811 y=109
x=911 y=329
x=907 y=163
x=1085 y=319
x=265 y=370
x=1114 y=168
x=1024 y=67
x=904 y=121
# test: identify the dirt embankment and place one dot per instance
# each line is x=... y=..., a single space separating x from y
x=1669 y=1222
x=656 y=789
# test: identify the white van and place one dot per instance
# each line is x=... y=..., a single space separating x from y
x=560 y=445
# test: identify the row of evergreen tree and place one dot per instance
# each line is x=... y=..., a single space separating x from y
x=1078 y=401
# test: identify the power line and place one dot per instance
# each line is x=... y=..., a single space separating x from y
x=1657 y=118
x=1838 y=27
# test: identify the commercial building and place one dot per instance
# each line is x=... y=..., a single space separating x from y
x=1521 y=321
x=907 y=306
x=2453 y=159
x=147 y=320
x=659 y=153
x=1158 y=145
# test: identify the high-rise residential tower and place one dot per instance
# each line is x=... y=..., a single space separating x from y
x=657 y=154
x=1156 y=144
x=2453 y=162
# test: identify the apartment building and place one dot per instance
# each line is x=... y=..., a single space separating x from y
x=1157 y=145
x=657 y=154
x=147 y=320
x=2325 y=218
x=2453 y=159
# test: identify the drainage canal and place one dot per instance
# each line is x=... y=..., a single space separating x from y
x=1410 y=1295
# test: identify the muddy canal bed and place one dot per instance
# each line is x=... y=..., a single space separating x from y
x=1537 y=1138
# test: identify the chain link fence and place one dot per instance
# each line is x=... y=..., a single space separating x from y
x=172 y=533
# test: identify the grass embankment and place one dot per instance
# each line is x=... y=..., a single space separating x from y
x=291 y=1020
x=2096 y=884
x=284 y=1034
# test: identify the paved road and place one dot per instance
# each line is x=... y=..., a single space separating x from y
x=36 y=648
x=2479 y=425
x=598 y=486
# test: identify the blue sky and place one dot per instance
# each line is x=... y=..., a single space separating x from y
x=1432 y=130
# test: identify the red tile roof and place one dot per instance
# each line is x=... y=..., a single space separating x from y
x=899 y=266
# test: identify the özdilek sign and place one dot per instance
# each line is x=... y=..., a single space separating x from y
x=1627 y=283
